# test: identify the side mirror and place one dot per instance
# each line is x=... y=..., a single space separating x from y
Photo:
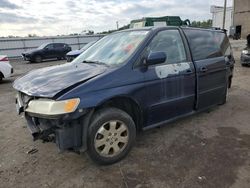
x=46 y=48
x=156 y=58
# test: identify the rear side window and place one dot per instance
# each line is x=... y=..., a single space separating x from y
x=207 y=44
x=58 y=45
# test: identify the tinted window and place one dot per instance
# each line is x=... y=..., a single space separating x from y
x=65 y=45
x=226 y=47
x=49 y=46
x=58 y=45
x=43 y=46
x=207 y=44
x=170 y=42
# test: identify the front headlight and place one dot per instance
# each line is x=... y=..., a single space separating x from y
x=245 y=52
x=51 y=107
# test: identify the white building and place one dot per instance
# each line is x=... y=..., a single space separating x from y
x=217 y=17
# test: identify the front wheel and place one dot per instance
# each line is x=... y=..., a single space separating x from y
x=38 y=59
x=111 y=135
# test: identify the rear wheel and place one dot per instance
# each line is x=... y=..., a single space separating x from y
x=38 y=59
x=224 y=100
x=111 y=135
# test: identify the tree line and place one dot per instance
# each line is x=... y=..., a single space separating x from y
x=202 y=24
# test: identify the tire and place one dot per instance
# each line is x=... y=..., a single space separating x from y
x=1 y=76
x=68 y=59
x=224 y=100
x=110 y=129
x=38 y=59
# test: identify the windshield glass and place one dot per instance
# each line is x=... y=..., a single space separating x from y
x=87 y=46
x=42 y=46
x=113 y=49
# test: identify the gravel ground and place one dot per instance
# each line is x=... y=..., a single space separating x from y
x=210 y=149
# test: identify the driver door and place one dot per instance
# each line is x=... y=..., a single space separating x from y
x=49 y=51
x=170 y=86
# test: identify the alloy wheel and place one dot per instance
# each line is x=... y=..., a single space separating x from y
x=111 y=138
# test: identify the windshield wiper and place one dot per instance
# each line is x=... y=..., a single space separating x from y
x=95 y=62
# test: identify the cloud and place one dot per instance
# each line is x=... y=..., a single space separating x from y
x=8 y=5
x=13 y=18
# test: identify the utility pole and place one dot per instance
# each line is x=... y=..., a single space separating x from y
x=233 y=12
x=117 y=25
x=224 y=14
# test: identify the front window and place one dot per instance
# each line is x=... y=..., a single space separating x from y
x=113 y=49
x=170 y=42
x=42 y=46
x=50 y=46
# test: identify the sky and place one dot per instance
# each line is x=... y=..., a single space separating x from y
x=57 y=17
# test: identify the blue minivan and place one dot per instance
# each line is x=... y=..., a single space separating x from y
x=128 y=81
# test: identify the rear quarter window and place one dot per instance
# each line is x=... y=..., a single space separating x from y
x=59 y=45
x=207 y=44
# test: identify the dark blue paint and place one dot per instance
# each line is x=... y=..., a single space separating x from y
x=159 y=99
x=49 y=81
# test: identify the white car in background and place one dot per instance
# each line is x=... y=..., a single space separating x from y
x=5 y=68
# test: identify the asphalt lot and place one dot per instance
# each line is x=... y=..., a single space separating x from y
x=210 y=149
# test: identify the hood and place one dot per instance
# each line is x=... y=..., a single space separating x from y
x=75 y=52
x=47 y=82
x=31 y=51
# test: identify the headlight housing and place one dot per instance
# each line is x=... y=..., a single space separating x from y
x=245 y=52
x=52 y=107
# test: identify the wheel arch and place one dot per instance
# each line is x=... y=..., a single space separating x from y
x=128 y=105
x=1 y=75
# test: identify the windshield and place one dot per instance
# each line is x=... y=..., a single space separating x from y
x=42 y=46
x=87 y=46
x=113 y=49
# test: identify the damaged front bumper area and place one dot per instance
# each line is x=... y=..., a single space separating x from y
x=68 y=130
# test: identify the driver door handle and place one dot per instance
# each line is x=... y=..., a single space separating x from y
x=203 y=69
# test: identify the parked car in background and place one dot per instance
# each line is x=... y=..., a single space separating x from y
x=5 y=68
x=70 y=56
x=128 y=81
x=47 y=51
x=245 y=57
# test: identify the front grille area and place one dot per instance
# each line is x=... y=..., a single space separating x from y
x=25 y=98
